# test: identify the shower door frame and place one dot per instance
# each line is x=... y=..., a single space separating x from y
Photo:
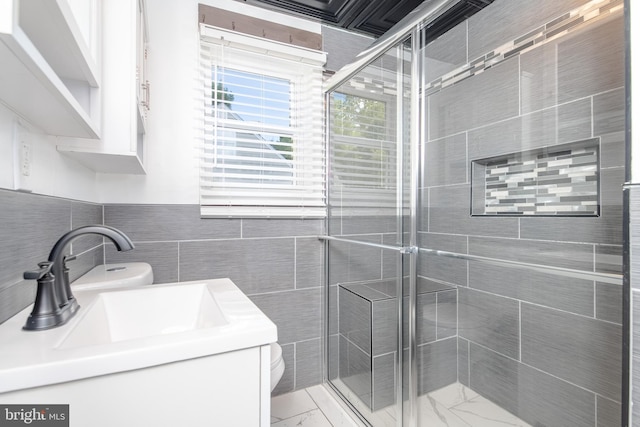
x=412 y=27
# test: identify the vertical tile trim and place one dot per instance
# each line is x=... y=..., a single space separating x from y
x=295 y=363
x=437 y=300
x=520 y=331
x=178 y=267
x=593 y=119
x=469 y=363
x=457 y=348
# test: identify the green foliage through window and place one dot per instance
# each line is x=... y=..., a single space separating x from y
x=358 y=117
x=219 y=92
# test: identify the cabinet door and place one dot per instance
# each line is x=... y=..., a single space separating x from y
x=142 y=84
x=124 y=99
x=48 y=73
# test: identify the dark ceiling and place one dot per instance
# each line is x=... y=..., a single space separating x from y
x=372 y=17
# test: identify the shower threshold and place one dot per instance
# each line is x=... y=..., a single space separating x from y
x=452 y=406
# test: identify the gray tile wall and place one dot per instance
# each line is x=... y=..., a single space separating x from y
x=363 y=320
x=508 y=20
x=29 y=227
x=634 y=261
x=538 y=398
x=544 y=347
x=276 y=262
x=342 y=45
x=436 y=365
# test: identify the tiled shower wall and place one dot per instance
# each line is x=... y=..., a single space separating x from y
x=634 y=249
x=29 y=227
x=533 y=342
x=366 y=371
x=544 y=347
x=277 y=263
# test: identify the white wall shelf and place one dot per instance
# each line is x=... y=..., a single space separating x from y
x=34 y=68
x=104 y=162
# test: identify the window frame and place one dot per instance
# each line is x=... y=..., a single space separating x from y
x=302 y=62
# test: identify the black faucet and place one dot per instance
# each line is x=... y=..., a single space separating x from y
x=55 y=304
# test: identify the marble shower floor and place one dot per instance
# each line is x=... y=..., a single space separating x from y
x=312 y=407
x=451 y=406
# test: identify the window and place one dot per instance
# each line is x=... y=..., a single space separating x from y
x=263 y=152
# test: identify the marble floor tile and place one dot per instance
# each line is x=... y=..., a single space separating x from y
x=480 y=412
x=313 y=418
x=332 y=408
x=451 y=406
x=290 y=404
x=382 y=417
x=434 y=414
x=453 y=395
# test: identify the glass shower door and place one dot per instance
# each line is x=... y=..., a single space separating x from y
x=521 y=229
x=475 y=230
x=368 y=192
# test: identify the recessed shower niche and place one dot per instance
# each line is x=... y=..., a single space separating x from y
x=559 y=180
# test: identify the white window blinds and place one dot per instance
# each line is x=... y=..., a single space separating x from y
x=263 y=152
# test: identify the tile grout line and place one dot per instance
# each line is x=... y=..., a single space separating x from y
x=584 y=316
x=540 y=370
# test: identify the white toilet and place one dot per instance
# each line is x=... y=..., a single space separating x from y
x=115 y=276
x=277 y=364
x=130 y=274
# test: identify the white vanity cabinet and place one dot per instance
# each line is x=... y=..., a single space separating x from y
x=125 y=93
x=228 y=389
x=50 y=72
x=133 y=357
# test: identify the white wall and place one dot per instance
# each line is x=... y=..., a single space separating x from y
x=172 y=144
x=172 y=152
x=51 y=173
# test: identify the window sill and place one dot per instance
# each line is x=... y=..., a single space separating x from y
x=262 y=212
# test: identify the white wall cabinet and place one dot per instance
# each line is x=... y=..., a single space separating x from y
x=125 y=93
x=50 y=71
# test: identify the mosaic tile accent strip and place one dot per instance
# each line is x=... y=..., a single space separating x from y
x=561 y=180
x=587 y=13
x=558 y=27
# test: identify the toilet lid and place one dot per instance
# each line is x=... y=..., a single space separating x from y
x=276 y=354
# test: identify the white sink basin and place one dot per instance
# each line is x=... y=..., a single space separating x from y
x=138 y=313
x=118 y=330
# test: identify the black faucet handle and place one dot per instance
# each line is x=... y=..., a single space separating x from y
x=68 y=258
x=45 y=268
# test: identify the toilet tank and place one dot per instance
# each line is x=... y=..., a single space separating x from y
x=112 y=276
